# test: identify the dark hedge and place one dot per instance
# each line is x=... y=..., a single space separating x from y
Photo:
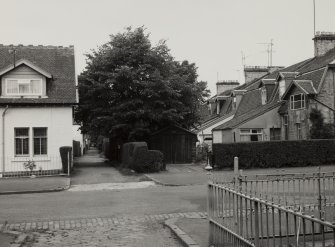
x=275 y=153
x=136 y=156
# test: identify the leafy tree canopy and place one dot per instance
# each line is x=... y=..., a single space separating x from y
x=131 y=88
x=320 y=129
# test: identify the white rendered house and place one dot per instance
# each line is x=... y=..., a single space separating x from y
x=38 y=91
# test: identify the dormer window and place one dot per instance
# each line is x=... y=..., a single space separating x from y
x=297 y=101
x=23 y=87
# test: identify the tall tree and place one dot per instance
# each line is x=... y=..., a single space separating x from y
x=131 y=88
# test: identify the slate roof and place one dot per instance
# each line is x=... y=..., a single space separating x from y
x=318 y=62
x=249 y=101
x=58 y=61
x=247 y=116
x=306 y=86
x=315 y=77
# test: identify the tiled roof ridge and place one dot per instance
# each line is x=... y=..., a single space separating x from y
x=311 y=71
x=38 y=46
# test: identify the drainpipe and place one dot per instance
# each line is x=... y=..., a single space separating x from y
x=3 y=140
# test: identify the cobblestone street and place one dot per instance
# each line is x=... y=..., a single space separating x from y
x=135 y=234
x=135 y=231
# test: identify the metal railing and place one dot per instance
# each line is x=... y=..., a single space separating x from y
x=32 y=166
x=237 y=219
x=272 y=209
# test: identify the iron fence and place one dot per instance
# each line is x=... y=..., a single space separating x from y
x=237 y=219
x=31 y=166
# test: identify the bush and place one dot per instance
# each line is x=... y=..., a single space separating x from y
x=64 y=153
x=148 y=161
x=201 y=152
x=275 y=153
x=136 y=156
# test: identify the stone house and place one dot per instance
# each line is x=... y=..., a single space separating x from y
x=277 y=105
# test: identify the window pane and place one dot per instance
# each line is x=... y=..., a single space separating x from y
x=25 y=146
x=21 y=132
x=44 y=146
x=42 y=132
x=37 y=144
x=24 y=88
x=12 y=87
x=40 y=141
x=297 y=97
x=245 y=138
x=18 y=146
x=35 y=86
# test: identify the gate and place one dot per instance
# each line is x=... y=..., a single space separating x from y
x=272 y=210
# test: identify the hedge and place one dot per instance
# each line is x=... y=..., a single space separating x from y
x=65 y=153
x=275 y=153
x=135 y=155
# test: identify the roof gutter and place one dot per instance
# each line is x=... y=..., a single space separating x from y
x=3 y=141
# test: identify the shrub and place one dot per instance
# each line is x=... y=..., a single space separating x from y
x=275 y=153
x=64 y=151
x=135 y=155
x=148 y=161
x=129 y=150
x=201 y=152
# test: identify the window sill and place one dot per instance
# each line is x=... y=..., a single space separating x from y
x=23 y=97
x=27 y=158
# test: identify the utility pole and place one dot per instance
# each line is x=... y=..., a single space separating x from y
x=314 y=15
x=243 y=58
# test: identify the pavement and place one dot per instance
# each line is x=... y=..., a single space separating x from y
x=33 y=184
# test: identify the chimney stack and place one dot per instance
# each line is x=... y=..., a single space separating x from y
x=225 y=85
x=254 y=72
x=323 y=42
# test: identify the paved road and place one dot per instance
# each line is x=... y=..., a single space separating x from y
x=71 y=205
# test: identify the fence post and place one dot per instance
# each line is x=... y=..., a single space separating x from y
x=68 y=164
x=256 y=209
x=319 y=193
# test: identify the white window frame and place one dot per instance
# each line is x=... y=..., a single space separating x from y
x=21 y=137
x=40 y=137
x=293 y=101
x=24 y=81
x=248 y=132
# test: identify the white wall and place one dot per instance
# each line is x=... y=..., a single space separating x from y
x=58 y=121
x=208 y=131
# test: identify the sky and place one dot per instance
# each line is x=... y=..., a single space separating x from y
x=210 y=33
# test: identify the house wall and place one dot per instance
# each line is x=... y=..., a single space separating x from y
x=208 y=131
x=265 y=121
x=327 y=91
x=58 y=121
x=222 y=136
x=297 y=116
x=22 y=72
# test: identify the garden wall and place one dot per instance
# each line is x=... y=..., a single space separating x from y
x=275 y=153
